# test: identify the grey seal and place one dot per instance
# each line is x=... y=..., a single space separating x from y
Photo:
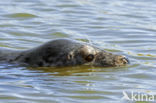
x=63 y=52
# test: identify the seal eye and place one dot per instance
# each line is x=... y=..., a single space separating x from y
x=89 y=58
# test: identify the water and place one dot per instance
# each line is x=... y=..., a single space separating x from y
x=120 y=26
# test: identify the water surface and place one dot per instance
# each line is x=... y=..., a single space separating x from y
x=120 y=26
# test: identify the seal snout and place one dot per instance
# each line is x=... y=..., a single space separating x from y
x=121 y=60
x=125 y=60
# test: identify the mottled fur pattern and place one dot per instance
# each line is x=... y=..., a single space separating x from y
x=63 y=52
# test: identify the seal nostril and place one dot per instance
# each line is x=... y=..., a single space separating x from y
x=126 y=61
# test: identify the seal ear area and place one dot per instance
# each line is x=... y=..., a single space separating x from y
x=70 y=55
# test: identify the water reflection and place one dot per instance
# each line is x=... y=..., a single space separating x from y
x=75 y=71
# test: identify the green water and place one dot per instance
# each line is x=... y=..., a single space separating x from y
x=120 y=26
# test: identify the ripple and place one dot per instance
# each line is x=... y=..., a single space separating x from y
x=21 y=15
x=121 y=27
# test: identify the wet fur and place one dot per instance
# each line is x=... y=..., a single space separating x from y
x=61 y=52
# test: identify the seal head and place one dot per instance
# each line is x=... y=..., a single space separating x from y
x=65 y=52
